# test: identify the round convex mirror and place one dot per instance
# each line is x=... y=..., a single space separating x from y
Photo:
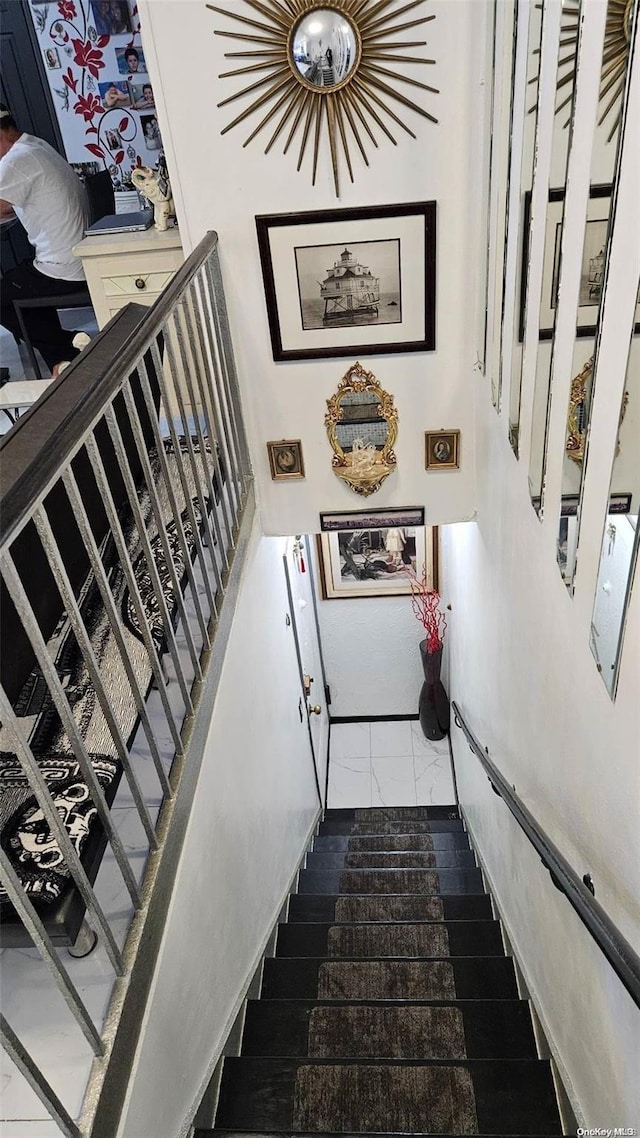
x=325 y=48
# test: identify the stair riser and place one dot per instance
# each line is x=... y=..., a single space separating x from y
x=362 y=829
x=392 y=859
x=466 y=938
x=492 y=1030
x=392 y=813
x=339 y=843
x=385 y=881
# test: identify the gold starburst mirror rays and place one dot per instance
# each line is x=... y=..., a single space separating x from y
x=326 y=72
x=617 y=38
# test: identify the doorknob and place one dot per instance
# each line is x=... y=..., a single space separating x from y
x=315 y=709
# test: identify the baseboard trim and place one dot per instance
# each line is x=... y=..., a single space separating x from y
x=253 y=974
x=567 y=1098
x=371 y=718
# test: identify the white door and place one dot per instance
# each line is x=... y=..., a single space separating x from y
x=305 y=630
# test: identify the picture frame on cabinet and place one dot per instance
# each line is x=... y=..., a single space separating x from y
x=349 y=282
x=442 y=450
x=373 y=562
x=285 y=459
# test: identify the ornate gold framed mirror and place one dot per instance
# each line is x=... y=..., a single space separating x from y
x=362 y=425
x=329 y=68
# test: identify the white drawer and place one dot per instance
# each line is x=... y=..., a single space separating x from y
x=137 y=288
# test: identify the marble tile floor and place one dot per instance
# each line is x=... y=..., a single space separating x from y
x=388 y=763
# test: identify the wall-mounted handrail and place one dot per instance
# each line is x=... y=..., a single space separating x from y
x=621 y=956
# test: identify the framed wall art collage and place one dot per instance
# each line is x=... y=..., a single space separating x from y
x=346 y=283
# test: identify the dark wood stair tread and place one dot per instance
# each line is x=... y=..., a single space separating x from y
x=381 y=881
x=461 y=978
x=512 y=1096
x=492 y=1028
x=379 y=939
x=335 y=907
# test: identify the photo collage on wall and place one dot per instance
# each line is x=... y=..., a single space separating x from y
x=97 y=71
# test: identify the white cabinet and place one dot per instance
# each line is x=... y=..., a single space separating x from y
x=125 y=267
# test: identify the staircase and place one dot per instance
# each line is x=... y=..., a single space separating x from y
x=390 y=1006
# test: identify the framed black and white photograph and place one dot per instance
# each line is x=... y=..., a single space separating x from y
x=285 y=459
x=350 y=281
x=442 y=450
x=52 y=58
x=374 y=562
x=593 y=262
x=372 y=519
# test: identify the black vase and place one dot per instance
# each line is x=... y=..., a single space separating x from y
x=433 y=707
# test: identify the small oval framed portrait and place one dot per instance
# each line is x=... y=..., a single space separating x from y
x=285 y=459
x=442 y=450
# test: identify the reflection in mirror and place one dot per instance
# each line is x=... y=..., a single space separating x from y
x=362 y=425
x=605 y=156
x=504 y=48
x=561 y=145
x=619 y=553
x=361 y=421
x=526 y=185
x=324 y=46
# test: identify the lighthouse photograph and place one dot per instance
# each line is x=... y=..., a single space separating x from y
x=348 y=284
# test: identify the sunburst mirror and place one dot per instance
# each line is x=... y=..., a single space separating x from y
x=617 y=38
x=330 y=71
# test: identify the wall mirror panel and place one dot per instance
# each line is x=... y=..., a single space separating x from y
x=534 y=39
x=619 y=551
x=505 y=46
x=553 y=223
x=605 y=158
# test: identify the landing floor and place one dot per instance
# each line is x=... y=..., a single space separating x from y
x=388 y=763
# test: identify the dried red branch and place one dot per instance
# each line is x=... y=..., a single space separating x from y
x=425 y=603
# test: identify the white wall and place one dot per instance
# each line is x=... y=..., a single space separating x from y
x=255 y=804
x=524 y=676
x=219 y=185
x=371 y=654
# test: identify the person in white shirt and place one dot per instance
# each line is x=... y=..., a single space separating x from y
x=39 y=188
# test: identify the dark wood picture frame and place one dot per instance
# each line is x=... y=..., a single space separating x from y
x=343 y=227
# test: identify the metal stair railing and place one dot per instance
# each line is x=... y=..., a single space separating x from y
x=579 y=891
x=126 y=502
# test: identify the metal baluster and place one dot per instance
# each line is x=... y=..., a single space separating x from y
x=30 y=625
x=207 y=378
x=59 y=571
x=188 y=493
x=34 y=926
x=130 y=577
x=195 y=466
x=100 y=576
x=36 y=1080
x=136 y=427
x=186 y=344
x=40 y=789
x=168 y=482
x=219 y=386
x=212 y=266
x=152 y=568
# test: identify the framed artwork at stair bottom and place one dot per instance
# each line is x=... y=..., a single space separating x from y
x=349 y=282
x=373 y=562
